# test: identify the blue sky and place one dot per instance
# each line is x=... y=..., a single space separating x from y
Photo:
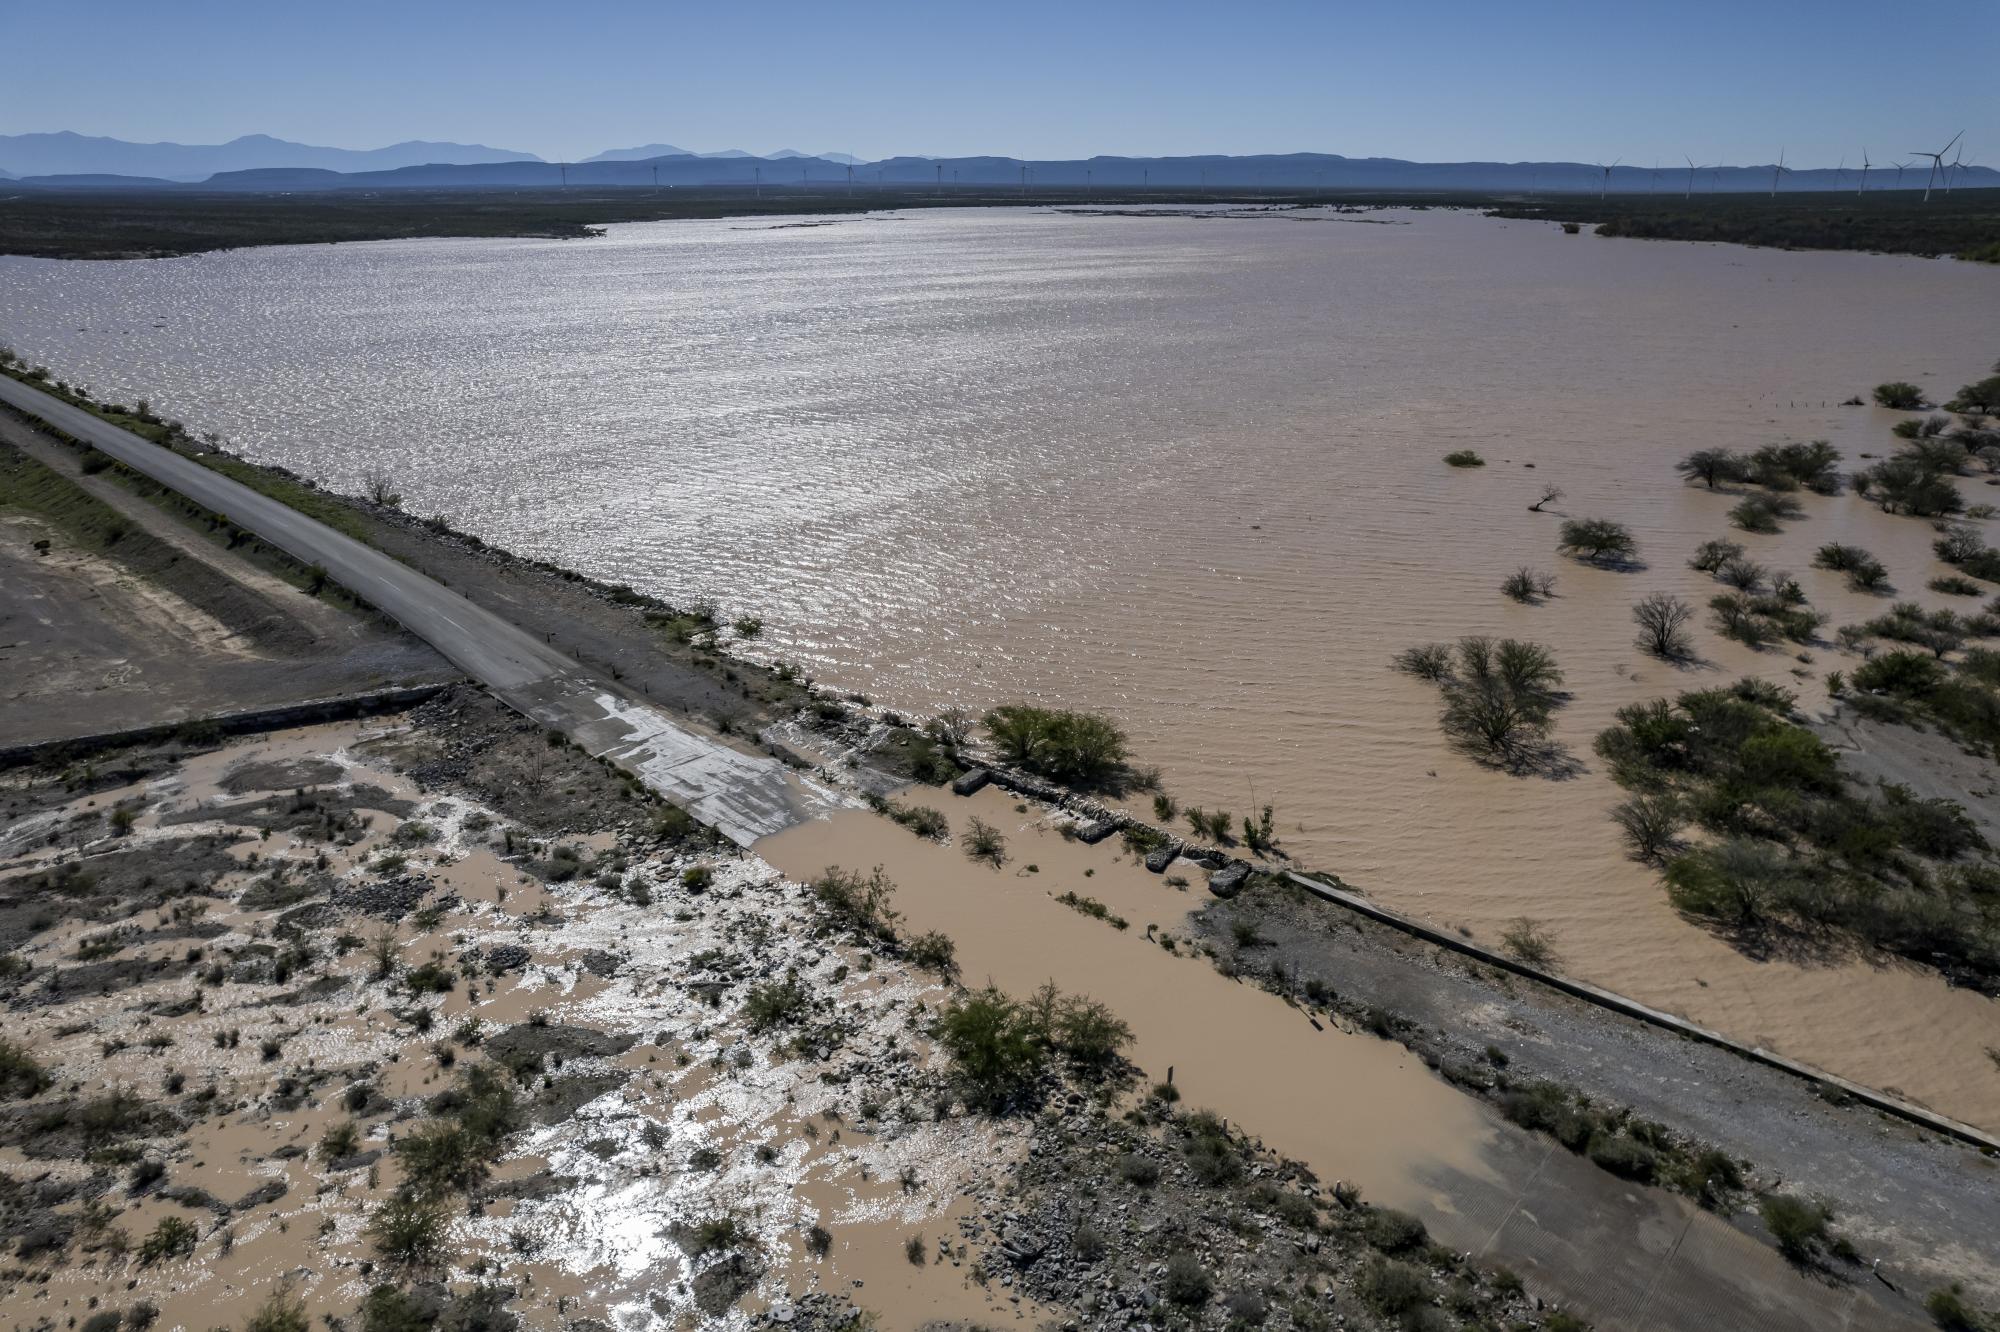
x=1437 y=80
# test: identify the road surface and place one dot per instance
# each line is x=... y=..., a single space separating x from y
x=743 y=795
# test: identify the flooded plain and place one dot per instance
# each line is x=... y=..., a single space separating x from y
x=1187 y=471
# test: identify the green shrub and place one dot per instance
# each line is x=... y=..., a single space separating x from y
x=1393 y=1289
x=20 y=1075
x=408 y=1230
x=1900 y=395
x=1186 y=1282
x=282 y=1311
x=1598 y=540
x=1950 y=1310
x=1799 y=1225
x=174 y=1237
x=776 y=1004
x=1080 y=747
x=994 y=1046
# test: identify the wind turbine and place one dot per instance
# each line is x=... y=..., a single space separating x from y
x=1937 y=162
x=1840 y=172
x=1865 y=164
x=1900 y=168
x=1956 y=162
x=1690 y=189
x=1777 y=171
x=1605 y=184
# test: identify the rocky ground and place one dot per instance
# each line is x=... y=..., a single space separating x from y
x=432 y=1021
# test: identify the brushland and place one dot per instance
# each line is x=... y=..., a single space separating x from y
x=106 y=224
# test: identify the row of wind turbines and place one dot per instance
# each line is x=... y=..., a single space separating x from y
x=1939 y=169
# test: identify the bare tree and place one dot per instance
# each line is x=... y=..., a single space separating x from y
x=1550 y=494
x=380 y=488
x=1663 y=619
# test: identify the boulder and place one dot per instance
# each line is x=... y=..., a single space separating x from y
x=966 y=783
x=1163 y=855
x=1092 y=831
x=1229 y=880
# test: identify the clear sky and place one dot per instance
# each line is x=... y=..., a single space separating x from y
x=1423 y=79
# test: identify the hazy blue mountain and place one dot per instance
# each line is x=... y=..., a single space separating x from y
x=640 y=154
x=1180 y=174
x=67 y=153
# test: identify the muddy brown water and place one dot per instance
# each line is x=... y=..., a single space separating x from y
x=1186 y=471
x=1356 y=1107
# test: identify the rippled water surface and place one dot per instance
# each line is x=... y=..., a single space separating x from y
x=1185 y=470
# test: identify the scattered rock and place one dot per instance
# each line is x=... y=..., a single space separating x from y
x=1229 y=880
x=972 y=781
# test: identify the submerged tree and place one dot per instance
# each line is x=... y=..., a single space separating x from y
x=1663 y=620
x=1598 y=540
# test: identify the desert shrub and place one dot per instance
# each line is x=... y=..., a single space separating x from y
x=776 y=1004
x=1955 y=585
x=282 y=1311
x=1912 y=484
x=174 y=1237
x=1392 y=1231
x=995 y=1047
x=1651 y=822
x=1713 y=467
x=408 y=1230
x=1527 y=586
x=933 y=952
x=1958 y=543
x=1741 y=574
x=1140 y=1170
x=984 y=842
x=1625 y=1157
x=1786 y=466
x=1663 y=619
x=1393 y=1288
x=340 y=1140
x=1764 y=513
x=857 y=903
x=1710 y=556
x=1900 y=395
x=20 y=1075
x=1067 y=746
x=1426 y=661
x=1799 y=1225
x=1529 y=941
x=1499 y=694
x=1598 y=540
x=1463 y=458
x=1950 y=1310
x=1185 y=1282
x=1212 y=1158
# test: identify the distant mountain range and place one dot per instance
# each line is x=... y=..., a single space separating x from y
x=261 y=164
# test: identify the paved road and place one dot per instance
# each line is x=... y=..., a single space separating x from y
x=744 y=795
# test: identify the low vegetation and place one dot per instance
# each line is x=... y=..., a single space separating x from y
x=1001 y=1049
x=1598 y=541
x=1500 y=697
x=1864 y=572
x=1793 y=852
x=1077 y=747
x=1464 y=458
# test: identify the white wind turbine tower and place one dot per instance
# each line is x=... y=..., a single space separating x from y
x=1777 y=171
x=1901 y=167
x=1937 y=163
x=1840 y=172
x=1956 y=162
x=1690 y=188
x=1605 y=184
x=1864 y=174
